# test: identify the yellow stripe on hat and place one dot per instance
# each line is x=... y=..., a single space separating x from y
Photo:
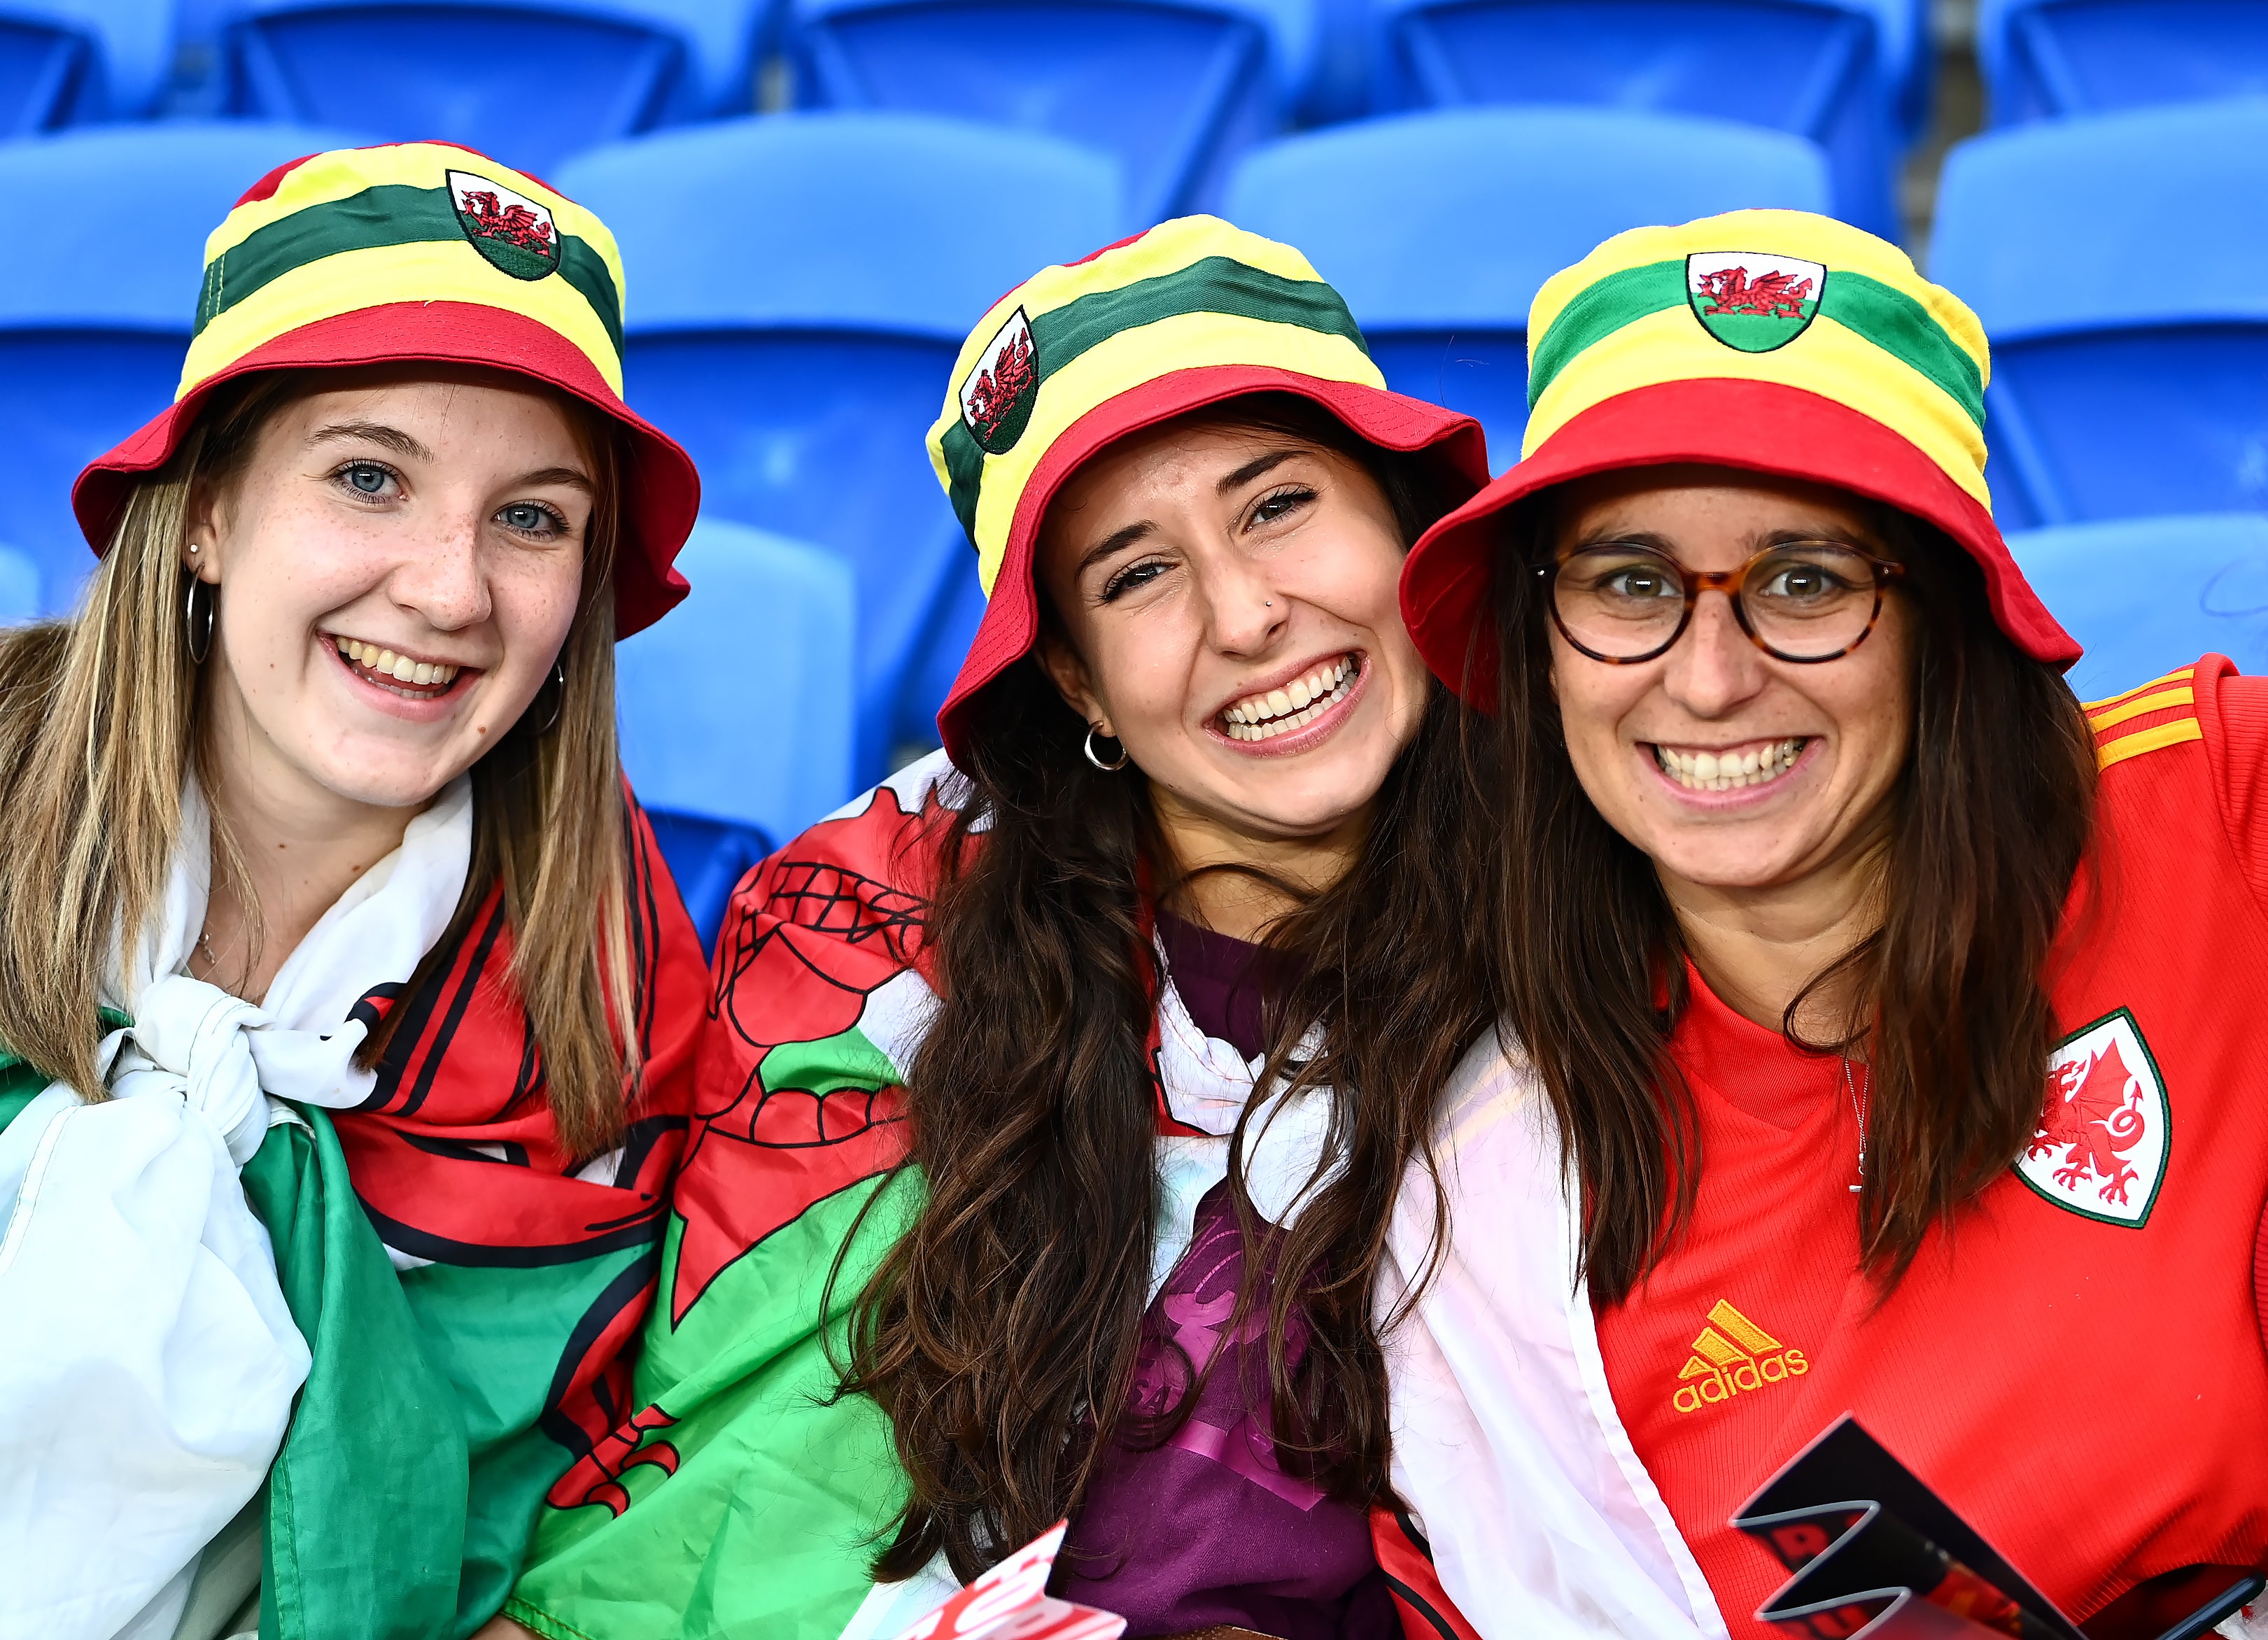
x=326 y=178
x=1128 y=359
x=433 y=271
x=1834 y=312
x=1833 y=361
x=1187 y=294
x=360 y=228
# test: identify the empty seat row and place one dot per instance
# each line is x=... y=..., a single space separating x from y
x=1175 y=89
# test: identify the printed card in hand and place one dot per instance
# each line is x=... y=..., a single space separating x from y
x=1011 y=1602
x=1877 y=1554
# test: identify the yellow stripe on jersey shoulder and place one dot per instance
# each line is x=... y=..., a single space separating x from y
x=2141 y=706
x=2179 y=675
x=2117 y=750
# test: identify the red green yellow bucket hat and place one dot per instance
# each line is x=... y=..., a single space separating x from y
x=1191 y=313
x=1774 y=341
x=418 y=252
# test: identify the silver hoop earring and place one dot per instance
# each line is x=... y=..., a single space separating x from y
x=197 y=620
x=1108 y=768
x=558 y=695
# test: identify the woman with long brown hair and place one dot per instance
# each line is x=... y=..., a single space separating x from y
x=1062 y=1085
x=1884 y=1003
x=349 y=1009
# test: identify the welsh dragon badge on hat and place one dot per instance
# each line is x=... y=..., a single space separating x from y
x=1754 y=302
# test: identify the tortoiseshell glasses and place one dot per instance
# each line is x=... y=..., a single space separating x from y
x=1622 y=602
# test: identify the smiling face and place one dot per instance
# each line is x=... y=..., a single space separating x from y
x=1732 y=769
x=1227 y=602
x=398 y=562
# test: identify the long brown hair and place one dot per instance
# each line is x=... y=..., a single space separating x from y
x=1989 y=822
x=98 y=729
x=1001 y=1333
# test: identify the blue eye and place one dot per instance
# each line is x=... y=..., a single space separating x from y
x=366 y=478
x=526 y=516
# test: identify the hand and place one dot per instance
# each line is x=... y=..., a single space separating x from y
x=504 y=1628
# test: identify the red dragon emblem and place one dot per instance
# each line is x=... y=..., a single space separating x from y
x=514 y=224
x=1774 y=295
x=2093 y=1116
x=998 y=388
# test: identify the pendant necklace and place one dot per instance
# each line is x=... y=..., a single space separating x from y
x=1857 y=1109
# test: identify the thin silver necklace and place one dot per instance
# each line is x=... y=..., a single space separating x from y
x=1857 y=1109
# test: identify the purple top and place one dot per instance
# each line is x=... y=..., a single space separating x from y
x=1206 y=1528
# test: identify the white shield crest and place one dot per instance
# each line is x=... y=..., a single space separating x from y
x=514 y=233
x=997 y=395
x=2105 y=1131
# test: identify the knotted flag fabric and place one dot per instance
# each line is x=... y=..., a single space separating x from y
x=452 y=1294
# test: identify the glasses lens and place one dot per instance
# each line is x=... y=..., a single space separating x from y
x=1621 y=602
x=1809 y=600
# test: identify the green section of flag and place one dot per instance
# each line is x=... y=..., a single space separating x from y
x=411 y=1474
x=767 y=1527
x=366 y=1502
x=497 y=1335
x=1753 y=333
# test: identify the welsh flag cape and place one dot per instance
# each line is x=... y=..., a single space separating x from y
x=738 y=1496
x=444 y=1400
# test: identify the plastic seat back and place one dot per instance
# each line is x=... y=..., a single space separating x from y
x=2148 y=595
x=1826 y=70
x=799 y=344
x=20 y=587
x=736 y=709
x=93 y=328
x=2120 y=267
x=529 y=81
x=66 y=61
x=1176 y=89
x=2043 y=59
x=1440 y=228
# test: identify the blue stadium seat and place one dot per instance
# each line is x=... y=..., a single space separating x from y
x=736 y=710
x=66 y=61
x=1832 y=70
x=2120 y=266
x=1440 y=228
x=93 y=328
x=2146 y=595
x=2043 y=59
x=1176 y=88
x=800 y=285
x=528 y=82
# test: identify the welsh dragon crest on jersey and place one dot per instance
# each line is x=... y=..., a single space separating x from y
x=2105 y=1131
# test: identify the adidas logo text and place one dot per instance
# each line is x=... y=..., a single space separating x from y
x=1733 y=1356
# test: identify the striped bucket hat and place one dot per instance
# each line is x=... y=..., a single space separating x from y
x=1771 y=340
x=412 y=253
x=1191 y=313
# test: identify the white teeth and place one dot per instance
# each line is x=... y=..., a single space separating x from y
x=384 y=664
x=1729 y=770
x=1261 y=716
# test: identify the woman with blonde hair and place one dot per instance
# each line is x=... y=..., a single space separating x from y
x=347 y=1007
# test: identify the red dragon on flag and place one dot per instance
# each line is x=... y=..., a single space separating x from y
x=1775 y=295
x=2093 y=1116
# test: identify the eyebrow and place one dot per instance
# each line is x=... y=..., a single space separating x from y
x=1254 y=468
x=556 y=476
x=374 y=432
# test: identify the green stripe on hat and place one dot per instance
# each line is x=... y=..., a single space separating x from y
x=379 y=217
x=1885 y=316
x=1215 y=284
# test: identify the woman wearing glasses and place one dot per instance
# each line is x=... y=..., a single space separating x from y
x=1889 y=1005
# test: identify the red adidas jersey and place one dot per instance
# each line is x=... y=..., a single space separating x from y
x=2080 y=1366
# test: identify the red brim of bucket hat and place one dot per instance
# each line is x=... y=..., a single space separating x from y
x=1011 y=625
x=661 y=489
x=1753 y=426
